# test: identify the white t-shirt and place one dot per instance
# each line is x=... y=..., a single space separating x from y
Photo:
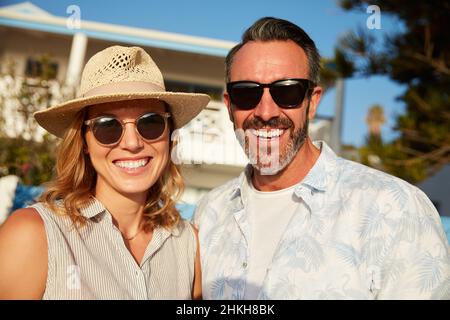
x=269 y=214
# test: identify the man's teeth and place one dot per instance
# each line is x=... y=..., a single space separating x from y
x=131 y=164
x=264 y=133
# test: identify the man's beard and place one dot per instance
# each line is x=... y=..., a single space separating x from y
x=267 y=158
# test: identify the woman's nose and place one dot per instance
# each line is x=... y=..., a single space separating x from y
x=131 y=139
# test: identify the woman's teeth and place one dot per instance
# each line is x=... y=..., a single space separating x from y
x=128 y=164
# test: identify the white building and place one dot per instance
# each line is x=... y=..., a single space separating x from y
x=209 y=149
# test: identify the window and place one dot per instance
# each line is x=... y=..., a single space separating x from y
x=41 y=68
x=178 y=86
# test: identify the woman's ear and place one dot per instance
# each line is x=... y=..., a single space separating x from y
x=85 y=147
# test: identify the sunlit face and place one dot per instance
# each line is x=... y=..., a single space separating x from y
x=271 y=136
x=133 y=165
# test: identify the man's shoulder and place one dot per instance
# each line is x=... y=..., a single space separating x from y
x=224 y=191
x=370 y=177
x=216 y=201
x=376 y=186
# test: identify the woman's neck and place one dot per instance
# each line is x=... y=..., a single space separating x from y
x=127 y=210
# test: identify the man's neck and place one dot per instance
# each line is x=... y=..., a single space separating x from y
x=292 y=174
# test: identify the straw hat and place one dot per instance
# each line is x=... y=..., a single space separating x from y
x=121 y=73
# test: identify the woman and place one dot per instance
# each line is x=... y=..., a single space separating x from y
x=107 y=227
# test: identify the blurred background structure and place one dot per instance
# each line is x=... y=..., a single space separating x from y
x=42 y=55
x=35 y=41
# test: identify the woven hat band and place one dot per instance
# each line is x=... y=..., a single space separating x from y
x=123 y=87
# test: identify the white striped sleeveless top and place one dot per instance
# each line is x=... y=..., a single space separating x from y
x=94 y=263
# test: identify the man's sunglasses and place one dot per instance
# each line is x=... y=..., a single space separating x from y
x=109 y=130
x=287 y=93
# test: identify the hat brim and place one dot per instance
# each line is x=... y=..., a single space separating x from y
x=182 y=106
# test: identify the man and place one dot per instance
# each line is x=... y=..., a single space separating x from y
x=300 y=222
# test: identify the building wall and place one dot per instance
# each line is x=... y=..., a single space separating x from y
x=437 y=189
x=175 y=65
x=213 y=156
x=18 y=45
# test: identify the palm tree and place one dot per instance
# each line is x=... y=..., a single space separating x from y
x=375 y=119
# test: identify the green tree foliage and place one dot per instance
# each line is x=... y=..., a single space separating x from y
x=20 y=154
x=333 y=68
x=418 y=57
x=31 y=161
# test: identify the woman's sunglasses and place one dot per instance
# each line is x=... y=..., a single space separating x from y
x=287 y=93
x=109 y=130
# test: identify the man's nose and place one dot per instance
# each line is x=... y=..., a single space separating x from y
x=266 y=108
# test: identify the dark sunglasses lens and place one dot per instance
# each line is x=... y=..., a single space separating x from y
x=107 y=130
x=245 y=95
x=289 y=93
x=151 y=126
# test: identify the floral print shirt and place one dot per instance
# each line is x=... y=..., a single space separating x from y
x=358 y=234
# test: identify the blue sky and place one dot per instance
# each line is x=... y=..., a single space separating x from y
x=323 y=20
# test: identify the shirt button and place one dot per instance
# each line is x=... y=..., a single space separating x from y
x=244 y=265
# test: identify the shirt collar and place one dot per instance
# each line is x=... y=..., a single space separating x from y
x=321 y=174
x=318 y=178
x=238 y=186
x=94 y=208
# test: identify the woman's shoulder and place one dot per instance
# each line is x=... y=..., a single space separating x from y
x=25 y=222
x=23 y=239
x=24 y=230
x=191 y=232
x=184 y=226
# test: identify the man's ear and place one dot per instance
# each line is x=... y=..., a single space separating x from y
x=316 y=95
x=226 y=100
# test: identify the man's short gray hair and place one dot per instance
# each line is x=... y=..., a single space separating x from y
x=272 y=29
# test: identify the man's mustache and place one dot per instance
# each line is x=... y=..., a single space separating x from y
x=273 y=123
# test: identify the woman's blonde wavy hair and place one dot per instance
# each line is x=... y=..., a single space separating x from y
x=75 y=180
